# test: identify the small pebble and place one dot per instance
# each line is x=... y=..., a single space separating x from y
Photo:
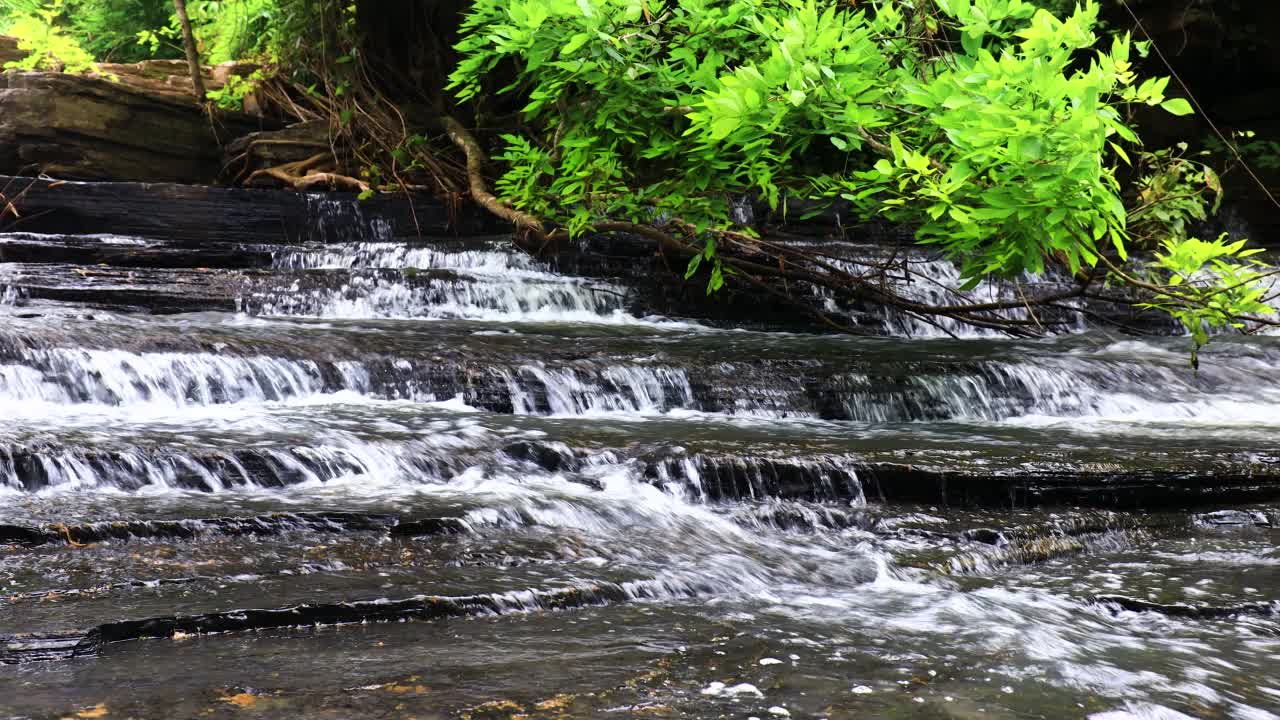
x=779 y=711
x=719 y=689
x=862 y=690
x=770 y=661
x=714 y=688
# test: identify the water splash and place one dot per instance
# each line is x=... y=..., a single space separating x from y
x=398 y=256
x=528 y=298
x=612 y=389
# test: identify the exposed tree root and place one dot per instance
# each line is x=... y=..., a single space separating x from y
x=11 y=199
x=333 y=180
x=246 y=157
x=479 y=189
x=308 y=173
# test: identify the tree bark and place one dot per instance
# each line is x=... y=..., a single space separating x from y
x=193 y=56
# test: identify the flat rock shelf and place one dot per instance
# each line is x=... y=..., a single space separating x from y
x=294 y=455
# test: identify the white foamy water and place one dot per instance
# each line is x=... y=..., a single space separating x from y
x=60 y=376
x=117 y=377
x=323 y=440
x=399 y=256
x=924 y=276
x=103 y=238
x=499 y=284
x=529 y=297
x=614 y=389
x=1125 y=387
x=9 y=295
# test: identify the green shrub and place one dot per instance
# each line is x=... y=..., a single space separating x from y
x=50 y=47
x=1001 y=146
x=992 y=126
x=109 y=28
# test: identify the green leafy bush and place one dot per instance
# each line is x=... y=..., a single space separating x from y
x=232 y=29
x=50 y=47
x=231 y=96
x=992 y=126
x=133 y=30
x=1209 y=285
x=11 y=10
x=108 y=28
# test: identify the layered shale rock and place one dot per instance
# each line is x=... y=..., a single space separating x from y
x=194 y=216
x=94 y=128
x=9 y=51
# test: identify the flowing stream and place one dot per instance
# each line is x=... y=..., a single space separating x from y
x=413 y=480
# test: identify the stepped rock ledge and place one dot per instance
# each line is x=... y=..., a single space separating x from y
x=131 y=122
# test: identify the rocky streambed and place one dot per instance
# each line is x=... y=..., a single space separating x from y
x=292 y=455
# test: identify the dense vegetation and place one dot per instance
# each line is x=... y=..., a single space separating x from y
x=1001 y=130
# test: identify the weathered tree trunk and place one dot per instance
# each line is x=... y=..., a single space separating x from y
x=189 y=42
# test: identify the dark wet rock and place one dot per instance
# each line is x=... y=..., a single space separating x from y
x=724 y=478
x=1029 y=486
x=273 y=524
x=984 y=535
x=35 y=468
x=968 y=484
x=20 y=535
x=1193 y=612
x=220 y=222
x=552 y=457
x=197 y=216
x=808 y=517
x=747 y=471
x=429 y=526
x=140 y=289
x=19 y=649
x=491 y=372
x=78 y=250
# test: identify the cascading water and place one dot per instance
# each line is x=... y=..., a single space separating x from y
x=427 y=282
x=928 y=278
x=408 y=430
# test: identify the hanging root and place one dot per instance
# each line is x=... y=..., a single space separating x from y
x=479 y=189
